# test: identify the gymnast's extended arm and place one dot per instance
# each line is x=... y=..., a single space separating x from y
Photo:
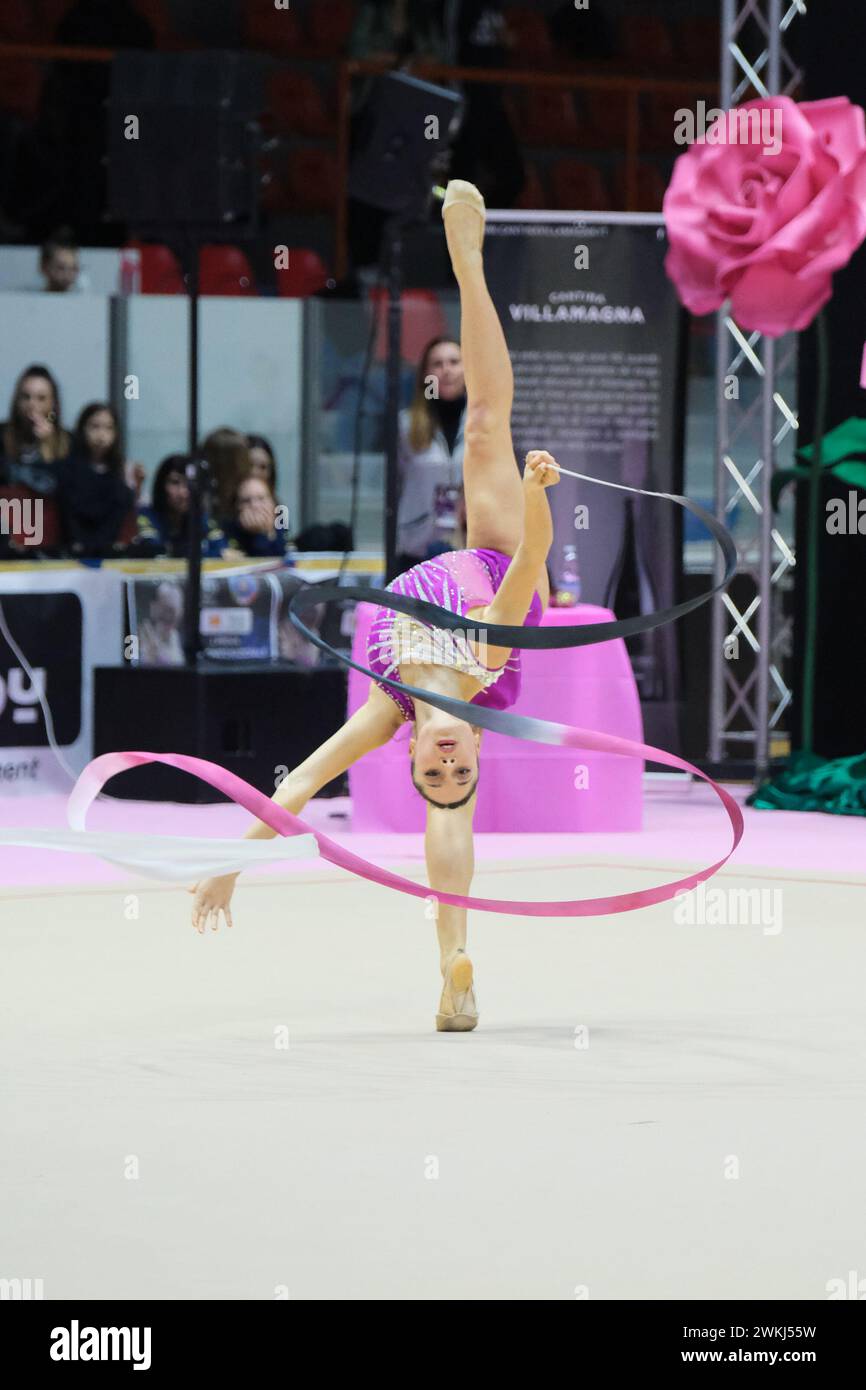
x=369 y=727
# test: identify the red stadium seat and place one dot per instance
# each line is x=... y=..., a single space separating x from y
x=657 y=130
x=225 y=270
x=697 y=44
x=20 y=86
x=530 y=44
x=603 y=120
x=650 y=189
x=550 y=118
x=422 y=318
x=329 y=27
x=533 y=194
x=160 y=271
x=645 y=42
x=51 y=530
x=129 y=529
x=19 y=22
x=312 y=177
x=578 y=187
x=275 y=31
x=157 y=14
x=297 y=107
x=305 y=274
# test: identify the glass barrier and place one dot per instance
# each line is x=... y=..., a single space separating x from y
x=295 y=371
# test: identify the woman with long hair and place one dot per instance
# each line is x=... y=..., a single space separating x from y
x=228 y=455
x=33 y=438
x=93 y=496
x=499 y=579
x=263 y=460
x=163 y=526
x=254 y=527
x=430 y=458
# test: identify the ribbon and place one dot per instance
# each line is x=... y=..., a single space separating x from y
x=98 y=772
x=101 y=769
x=174 y=858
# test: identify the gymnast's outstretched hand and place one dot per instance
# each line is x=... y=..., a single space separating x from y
x=210 y=898
x=541 y=470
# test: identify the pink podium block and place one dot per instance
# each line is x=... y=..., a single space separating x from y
x=525 y=786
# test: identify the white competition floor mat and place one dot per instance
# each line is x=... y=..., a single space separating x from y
x=648 y=1109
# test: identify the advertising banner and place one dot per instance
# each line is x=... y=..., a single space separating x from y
x=593 y=328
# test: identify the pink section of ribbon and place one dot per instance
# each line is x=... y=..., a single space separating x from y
x=98 y=772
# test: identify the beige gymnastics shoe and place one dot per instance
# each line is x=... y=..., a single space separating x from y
x=463 y=213
x=458 y=1011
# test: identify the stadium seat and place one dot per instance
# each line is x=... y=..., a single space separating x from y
x=657 y=129
x=225 y=270
x=533 y=194
x=305 y=274
x=530 y=44
x=297 y=107
x=697 y=45
x=19 y=22
x=156 y=12
x=312 y=175
x=603 y=119
x=422 y=318
x=160 y=271
x=20 y=87
x=50 y=519
x=329 y=27
x=645 y=41
x=275 y=31
x=651 y=186
x=578 y=187
x=550 y=118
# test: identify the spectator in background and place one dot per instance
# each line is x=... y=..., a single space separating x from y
x=263 y=461
x=394 y=30
x=486 y=150
x=93 y=497
x=60 y=264
x=162 y=527
x=33 y=440
x=228 y=457
x=429 y=511
x=255 y=529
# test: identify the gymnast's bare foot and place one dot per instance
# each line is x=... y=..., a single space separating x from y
x=458 y=1011
x=463 y=215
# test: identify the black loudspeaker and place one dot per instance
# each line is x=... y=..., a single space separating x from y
x=183 y=139
x=253 y=722
x=403 y=127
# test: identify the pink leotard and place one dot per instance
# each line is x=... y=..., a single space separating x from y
x=457 y=580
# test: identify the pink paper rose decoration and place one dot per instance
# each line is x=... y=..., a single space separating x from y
x=763 y=217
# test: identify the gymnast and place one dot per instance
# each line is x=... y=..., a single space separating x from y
x=501 y=578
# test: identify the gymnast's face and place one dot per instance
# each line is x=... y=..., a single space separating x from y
x=444 y=755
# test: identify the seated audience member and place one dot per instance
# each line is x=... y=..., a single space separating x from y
x=255 y=529
x=162 y=527
x=228 y=456
x=60 y=264
x=93 y=497
x=33 y=446
x=263 y=460
x=33 y=441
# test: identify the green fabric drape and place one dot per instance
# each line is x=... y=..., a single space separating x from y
x=810 y=783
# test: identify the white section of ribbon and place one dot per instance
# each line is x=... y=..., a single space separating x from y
x=173 y=858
